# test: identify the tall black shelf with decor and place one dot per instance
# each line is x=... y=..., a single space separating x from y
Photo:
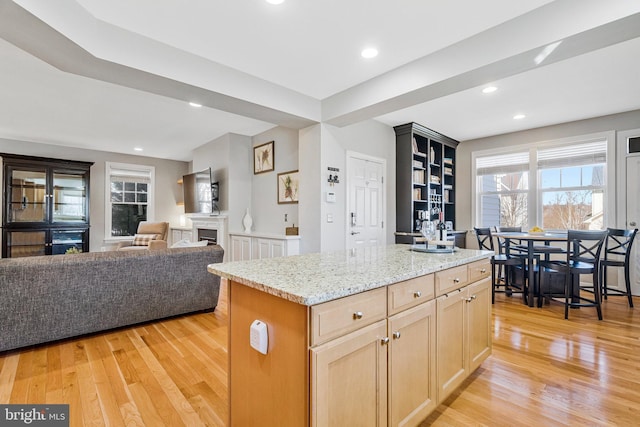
x=45 y=208
x=425 y=179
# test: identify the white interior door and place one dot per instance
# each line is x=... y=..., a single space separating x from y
x=633 y=218
x=365 y=209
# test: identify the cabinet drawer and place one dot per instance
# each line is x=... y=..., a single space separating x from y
x=407 y=294
x=479 y=270
x=339 y=317
x=451 y=279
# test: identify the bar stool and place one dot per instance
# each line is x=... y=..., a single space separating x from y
x=485 y=242
x=618 y=245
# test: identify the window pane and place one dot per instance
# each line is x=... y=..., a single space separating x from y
x=505 y=182
x=576 y=210
x=130 y=197
x=116 y=186
x=141 y=187
x=570 y=177
x=116 y=197
x=130 y=186
x=125 y=218
x=593 y=175
x=550 y=178
x=504 y=210
x=142 y=198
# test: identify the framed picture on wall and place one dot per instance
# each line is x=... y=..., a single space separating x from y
x=288 y=187
x=263 y=158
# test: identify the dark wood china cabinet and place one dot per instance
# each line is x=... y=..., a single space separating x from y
x=45 y=208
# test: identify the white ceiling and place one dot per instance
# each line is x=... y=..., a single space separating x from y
x=254 y=66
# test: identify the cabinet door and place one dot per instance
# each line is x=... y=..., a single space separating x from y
x=452 y=341
x=412 y=365
x=349 y=379
x=277 y=248
x=25 y=243
x=27 y=196
x=479 y=322
x=240 y=248
x=264 y=248
x=68 y=197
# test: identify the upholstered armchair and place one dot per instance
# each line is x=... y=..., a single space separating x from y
x=149 y=236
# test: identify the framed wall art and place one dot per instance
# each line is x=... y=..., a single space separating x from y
x=263 y=158
x=288 y=183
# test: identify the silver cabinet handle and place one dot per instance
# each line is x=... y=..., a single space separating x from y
x=456 y=280
x=384 y=341
x=417 y=294
x=357 y=315
x=396 y=335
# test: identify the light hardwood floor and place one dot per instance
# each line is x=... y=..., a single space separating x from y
x=544 y=371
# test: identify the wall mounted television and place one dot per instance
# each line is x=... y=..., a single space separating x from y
x=200 y=193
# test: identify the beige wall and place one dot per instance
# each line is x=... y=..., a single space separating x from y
x=168 y=192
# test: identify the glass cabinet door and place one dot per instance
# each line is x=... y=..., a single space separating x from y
x=69 y=197
x=27 y=198
x=25 y=243
x=67 y=241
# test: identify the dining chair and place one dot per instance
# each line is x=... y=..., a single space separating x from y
x=498 y=261
x=617 y=253
x=583 y=250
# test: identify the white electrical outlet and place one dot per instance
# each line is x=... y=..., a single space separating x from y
x=259 y=336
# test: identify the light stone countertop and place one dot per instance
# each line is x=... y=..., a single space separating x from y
x=320 y=277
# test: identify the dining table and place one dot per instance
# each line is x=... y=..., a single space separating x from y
x=533 y=250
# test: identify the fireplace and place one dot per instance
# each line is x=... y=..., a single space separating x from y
x=208 y=234
x=213 y=229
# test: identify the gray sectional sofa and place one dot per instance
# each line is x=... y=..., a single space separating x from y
x=48 y=298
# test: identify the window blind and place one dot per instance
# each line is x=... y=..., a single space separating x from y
x=589 y=153
x=503 y=163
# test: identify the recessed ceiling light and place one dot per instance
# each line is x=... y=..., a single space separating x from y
x=489 y=89
x=137 y=149
x=195 y=104
x=369 y=52
x=275 y=1
x=519 y=117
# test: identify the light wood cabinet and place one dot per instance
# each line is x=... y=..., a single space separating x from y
x=404 y=343
x=384 y=357
x=463 y=334
x=412 y=365
x=349 y=379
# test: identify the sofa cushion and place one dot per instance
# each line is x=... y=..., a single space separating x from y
x=143 y=239
x=186 y=243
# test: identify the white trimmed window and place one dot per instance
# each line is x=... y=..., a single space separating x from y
x=503 y=188
x=572 y=182
x=554 y=185
x=129 y=198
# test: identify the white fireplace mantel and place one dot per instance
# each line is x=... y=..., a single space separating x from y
x=211 y=222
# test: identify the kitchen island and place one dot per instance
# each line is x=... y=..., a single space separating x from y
x=373 y=336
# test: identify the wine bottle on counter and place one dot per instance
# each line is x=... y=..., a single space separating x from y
x=442 y=229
